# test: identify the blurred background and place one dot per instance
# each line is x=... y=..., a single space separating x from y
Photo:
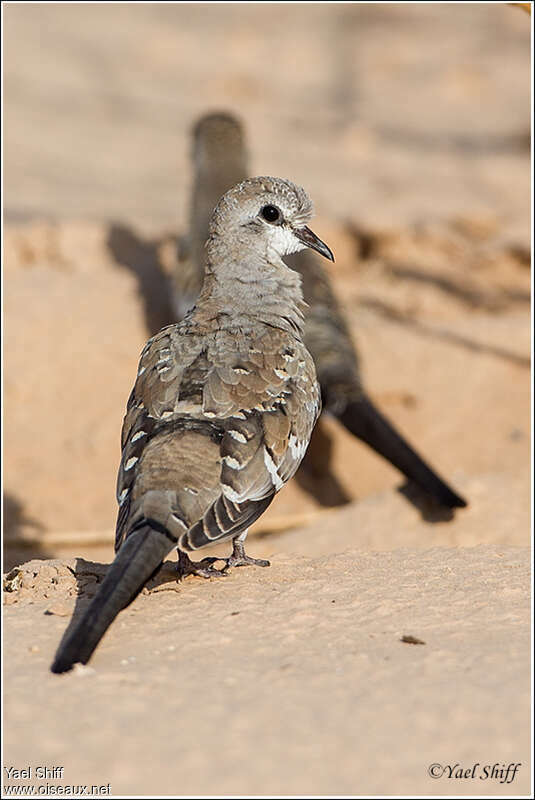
x=408 y=124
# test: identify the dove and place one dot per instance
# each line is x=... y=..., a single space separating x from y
x=222 y=409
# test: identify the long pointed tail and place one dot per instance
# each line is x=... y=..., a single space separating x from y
x=365 y=421
x=138 y=558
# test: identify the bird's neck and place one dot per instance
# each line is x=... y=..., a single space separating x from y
x=248 y=291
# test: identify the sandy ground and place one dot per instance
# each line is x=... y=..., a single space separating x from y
x=409 y=126
x=293 y=680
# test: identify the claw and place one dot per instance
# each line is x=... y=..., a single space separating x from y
x=244 y=561
x=203 y=569
x=240 y=559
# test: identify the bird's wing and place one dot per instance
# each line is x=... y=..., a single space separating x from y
x=231 y=412
x=260 y=393
x=151 y=414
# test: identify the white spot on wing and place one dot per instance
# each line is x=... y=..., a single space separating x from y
x=297 y=448
x=122 y=496
x=231 y=494
x=138 y=435
x=233 y=463
x=278 y=483
x=239 y=437
x=130 y=463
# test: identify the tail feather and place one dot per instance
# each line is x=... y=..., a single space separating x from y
x=366 y=422
x=138 y=558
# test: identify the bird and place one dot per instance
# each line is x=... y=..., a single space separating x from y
x=222 y=408
x=220 y=158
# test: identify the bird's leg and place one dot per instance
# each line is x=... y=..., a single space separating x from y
x=203 y=569
x=239 y=558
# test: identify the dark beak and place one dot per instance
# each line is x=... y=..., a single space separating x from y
x=310 y=239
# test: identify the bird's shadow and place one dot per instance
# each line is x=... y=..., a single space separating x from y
x=142 y=258
x=16 y=523
x=431 y=510
x=316 y=476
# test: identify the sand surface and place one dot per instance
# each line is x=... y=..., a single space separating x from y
x=293 y=680
x=409 y=126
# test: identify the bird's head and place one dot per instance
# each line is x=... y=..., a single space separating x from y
x=266 y=216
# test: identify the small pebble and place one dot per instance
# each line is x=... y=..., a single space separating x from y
x=411 y=640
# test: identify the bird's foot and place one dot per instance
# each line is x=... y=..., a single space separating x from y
x=203 y=569
x=240 y=559
x=244 y=561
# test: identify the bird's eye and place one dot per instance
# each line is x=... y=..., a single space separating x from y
x=271 y=214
